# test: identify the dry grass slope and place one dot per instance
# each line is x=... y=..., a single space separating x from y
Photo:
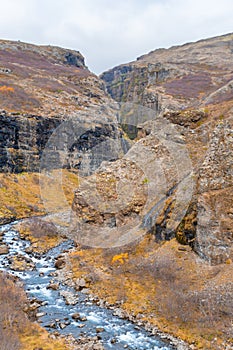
x=16 y=330
x=20 y=194
x=167 y=285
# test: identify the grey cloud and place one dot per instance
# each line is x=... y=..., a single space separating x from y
x=110 y=33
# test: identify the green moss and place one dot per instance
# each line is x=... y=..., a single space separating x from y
x=145 y=181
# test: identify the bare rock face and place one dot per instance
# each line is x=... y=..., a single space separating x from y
x=59 y=141
x=187 y=76
x=215 y=200
x=104 y=206
x=48 y=98
x=136 y=194
x=191 y=87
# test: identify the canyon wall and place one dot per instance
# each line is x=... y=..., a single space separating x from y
x=191 y=87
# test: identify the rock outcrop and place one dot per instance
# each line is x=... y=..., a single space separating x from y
x=191 y=87
x=46 y=91
x=63 y=140
x=215 y=197
x=188 y=76
x=125 y=199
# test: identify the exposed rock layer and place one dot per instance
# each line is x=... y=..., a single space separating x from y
x=46 y=91
x=191 y=86
x=191 y=75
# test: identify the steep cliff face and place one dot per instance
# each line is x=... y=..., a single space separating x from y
x=33 y=142
x=189 y=76
x=191 y=87
x=215 y=197
x=23 y=138
x=148 y=190
x=46 y=91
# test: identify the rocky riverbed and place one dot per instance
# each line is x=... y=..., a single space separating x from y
x=67 y=310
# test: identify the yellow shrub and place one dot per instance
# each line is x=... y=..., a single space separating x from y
x=5 y=88
x=120 y=258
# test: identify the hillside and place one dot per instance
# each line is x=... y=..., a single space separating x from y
x=193 y=75
x=190 y=86
x=141 y=160
x=173 y=229
x=42 y=79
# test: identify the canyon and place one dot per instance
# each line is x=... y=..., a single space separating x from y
x=135 y=167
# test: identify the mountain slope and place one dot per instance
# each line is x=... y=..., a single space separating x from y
x=42 y=89
x=189 y=76
x=191 y=86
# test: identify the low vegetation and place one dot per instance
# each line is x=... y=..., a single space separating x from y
x=42 y=234
x=16 y=330
x=20 y=194
x=166 y=285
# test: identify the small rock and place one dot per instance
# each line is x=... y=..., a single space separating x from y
x=52 y=325
x=76 y=316
x=81 y=325
x=62 y=325
x=4 y=249
x=99 y=329
x=83 y=318
x=33 y=306
x=53 y=286
x=60 y=263
x=80 y=284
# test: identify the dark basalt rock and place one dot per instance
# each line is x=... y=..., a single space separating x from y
x=23 y=139
x=74 y=60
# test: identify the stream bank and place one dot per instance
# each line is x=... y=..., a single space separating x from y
x=62 y=310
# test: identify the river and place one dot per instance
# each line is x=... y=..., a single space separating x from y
x=55 y=314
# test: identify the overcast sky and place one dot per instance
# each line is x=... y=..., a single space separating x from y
x=111 y=32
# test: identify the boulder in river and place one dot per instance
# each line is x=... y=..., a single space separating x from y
x=60 y=263
x=40 y=314
x=62 y=325
x=99 y=329
x=76 y=316
x=70 y=298
x=53 y=286
x=4 y=249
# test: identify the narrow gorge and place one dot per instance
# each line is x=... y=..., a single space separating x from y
x=117 y=191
